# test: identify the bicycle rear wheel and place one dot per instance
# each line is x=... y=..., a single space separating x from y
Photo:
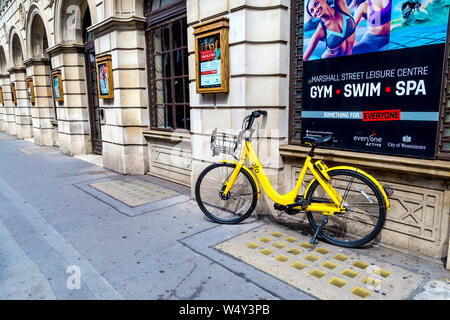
x=366 y=209
x=237 y=205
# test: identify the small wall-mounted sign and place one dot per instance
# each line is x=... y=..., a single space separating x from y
x=13 y=92
x=57 y=85
x=211 y=56
x=105 y=77
x=30 y=89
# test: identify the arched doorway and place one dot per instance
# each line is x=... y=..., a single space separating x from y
x=4 y=81
x=39 y=69
x=68 y=53
x=22 y=110
x=91 y=84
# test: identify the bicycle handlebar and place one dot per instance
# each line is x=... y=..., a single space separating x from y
x=255 y=114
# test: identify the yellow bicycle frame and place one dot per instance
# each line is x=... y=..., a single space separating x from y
x=290 y=198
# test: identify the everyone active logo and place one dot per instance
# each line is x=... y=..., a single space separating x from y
x=370 y=141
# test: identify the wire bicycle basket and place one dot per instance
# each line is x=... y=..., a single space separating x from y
x=226 y=143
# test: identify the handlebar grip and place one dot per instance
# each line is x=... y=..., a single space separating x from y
x=255 y=114
x=258 y=113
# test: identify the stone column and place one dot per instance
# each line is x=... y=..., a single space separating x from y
x=125 y=116
x=3 y=77
x=22 y=110
x=9 y=121
x=73 y=115
x=42 y=110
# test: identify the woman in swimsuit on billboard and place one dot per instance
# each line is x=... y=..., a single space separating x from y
x=336 y=28
x=378 y=16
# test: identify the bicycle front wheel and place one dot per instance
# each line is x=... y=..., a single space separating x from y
x=366 y=209
x=237 y=205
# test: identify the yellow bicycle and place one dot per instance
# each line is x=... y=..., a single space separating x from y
x=345 y=206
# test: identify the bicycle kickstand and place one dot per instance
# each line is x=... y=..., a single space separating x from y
x=324 y=222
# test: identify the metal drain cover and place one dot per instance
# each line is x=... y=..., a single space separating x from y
x=133 y=192
x=38 y=150
x=324 y=271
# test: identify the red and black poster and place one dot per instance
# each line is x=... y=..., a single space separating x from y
x=210 y=61
x=373 y=74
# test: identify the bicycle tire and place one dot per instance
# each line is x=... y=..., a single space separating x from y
x=371 y=193
x=205 y=205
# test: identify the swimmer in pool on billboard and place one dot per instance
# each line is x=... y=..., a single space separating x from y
x=413 y=11
x=416 y=23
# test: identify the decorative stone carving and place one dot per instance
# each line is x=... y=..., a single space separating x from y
x=49 y=3
x=22 y=16
x=3 y=31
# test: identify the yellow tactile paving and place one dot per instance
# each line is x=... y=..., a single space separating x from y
x=360 y=264
x=265 y=239
x=281 y=258
x=252 y=245
x=276 y=234
x=294 y=251
x=329 y=265
x=279 y=245
x=337 y=282
x=322 y=250
x=349 y=273
x=324 y=270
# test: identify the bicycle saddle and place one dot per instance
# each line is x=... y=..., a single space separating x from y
x=318 y=141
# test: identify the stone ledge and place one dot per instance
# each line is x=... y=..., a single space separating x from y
x=167 y=135
x=111 y=24
x=435 y=168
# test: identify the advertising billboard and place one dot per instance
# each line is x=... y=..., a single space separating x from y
x=373 y=73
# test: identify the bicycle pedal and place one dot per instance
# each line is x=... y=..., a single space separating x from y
x=279 y=207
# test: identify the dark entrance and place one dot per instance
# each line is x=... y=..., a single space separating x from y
x=91 y=82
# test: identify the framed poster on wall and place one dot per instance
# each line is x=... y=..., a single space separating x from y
x=211 y=56
x=30 y=90
x=105 y=77
x=57 y=86
x=13 y=92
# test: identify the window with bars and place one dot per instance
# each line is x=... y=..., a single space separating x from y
x=167 y=60
x=444 y=138
x=296 y=78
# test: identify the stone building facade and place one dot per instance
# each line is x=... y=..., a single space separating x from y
x=157 y=124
